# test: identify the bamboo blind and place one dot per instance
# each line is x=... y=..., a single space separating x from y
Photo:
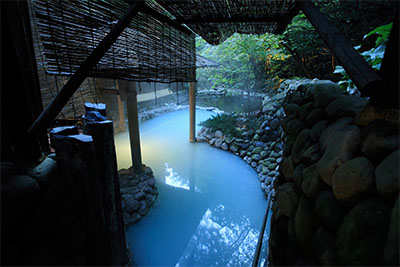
x=148 y=50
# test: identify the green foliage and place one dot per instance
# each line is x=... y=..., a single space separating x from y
x=254 y=62
x=246 y=61
x=226 y=123
x=373 y=56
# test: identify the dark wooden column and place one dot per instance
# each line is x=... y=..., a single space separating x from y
x=21 y=100
x=133 y=124
x=192 y=111
x=103 y=140
x=354 y=64
x=79 y=76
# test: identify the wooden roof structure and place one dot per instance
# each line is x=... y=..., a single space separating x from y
x=107 y=32
x=155 y=47
x=216 y=20
x=203 y=62
x=147 y=50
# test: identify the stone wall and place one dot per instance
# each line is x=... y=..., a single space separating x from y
x=337 y=192
x=260 y=148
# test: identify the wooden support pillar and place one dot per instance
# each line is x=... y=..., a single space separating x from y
x=83 y=71
x=103 y=140
x=121 y=114
x=192 y=111
x=354 y=64
x=20 y=97
x=77 y=160
x=121 y=111
x=133 y=124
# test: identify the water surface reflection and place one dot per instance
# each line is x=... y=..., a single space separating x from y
x=210 y=205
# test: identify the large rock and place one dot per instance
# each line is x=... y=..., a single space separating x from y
x=292 y=126
x=380 y=139
x=345 y=105
x=224 y=146
x=234 y=147
x=218 y=134
x=298 y=174
x=257 y=150
x=278 y=241
x=311 y=155
x=327 y=134
x=44 y=172
x=288 y=198
x=378 y=147
x=387 y=175
x=19 y=187
x=352 y=180
x=306 y=224
x=218 y=143
x=129 y=203
x=311 y=184
x=324 y=247
x=391 y=252
x=18 y=194
x=317 y=129
x=305 y=110
x=315 y=116
x=301 y=144
x=341 y=148
x=361 y=238
x=291 y=109
x=287 y=168
x=325 y=92
x=329 y=211
x=274 y=124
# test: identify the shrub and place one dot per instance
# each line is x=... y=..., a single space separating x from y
x=226 y=123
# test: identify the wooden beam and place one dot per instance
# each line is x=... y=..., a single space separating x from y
x=192 y=111
x=79 y=76
x=228 y=20
x=287 y=19
x=354 y=64
x=133 y=124
x=155 y=14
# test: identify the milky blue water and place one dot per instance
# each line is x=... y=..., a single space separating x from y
x=210 y=205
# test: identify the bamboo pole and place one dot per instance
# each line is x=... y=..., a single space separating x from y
x=192 y=111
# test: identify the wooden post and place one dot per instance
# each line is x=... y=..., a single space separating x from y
x=354 y=64
x=121 y=114
x=103 y=140
x=21 y=95
x=77 y=159
x=121 y=111
x=133 y=124
x=83 y=71
x=192 y=111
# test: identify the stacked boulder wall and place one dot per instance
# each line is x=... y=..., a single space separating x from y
x=337 y=192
